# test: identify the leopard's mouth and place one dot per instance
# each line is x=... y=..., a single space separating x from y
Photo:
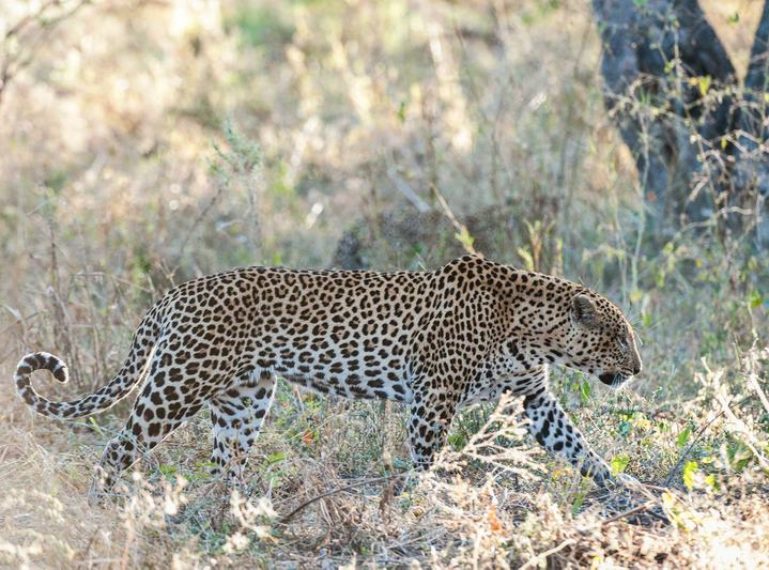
x=613 y=379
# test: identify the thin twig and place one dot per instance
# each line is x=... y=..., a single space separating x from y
x=697 y=436
x=408 y=192
x=685 y=454
x=317 y=498
x=12 y=64
x=200 y=217
x=627 y=513
x=534 y=562
x=459 y=226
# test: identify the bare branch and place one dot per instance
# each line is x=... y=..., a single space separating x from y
x=20 y=42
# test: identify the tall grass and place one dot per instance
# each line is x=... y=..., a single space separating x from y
x=145 y=143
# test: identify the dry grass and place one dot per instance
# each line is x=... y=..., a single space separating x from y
x=144 y=143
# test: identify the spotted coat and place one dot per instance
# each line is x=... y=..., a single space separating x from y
x=466 y=332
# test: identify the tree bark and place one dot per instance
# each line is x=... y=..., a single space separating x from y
x=698 y=140
x=753 y=121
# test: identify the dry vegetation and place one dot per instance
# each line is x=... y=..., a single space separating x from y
x=143 y=143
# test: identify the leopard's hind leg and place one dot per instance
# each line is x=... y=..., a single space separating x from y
x=237 y=414
x=172 y=394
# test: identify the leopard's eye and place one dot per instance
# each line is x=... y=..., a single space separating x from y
x=623 y=344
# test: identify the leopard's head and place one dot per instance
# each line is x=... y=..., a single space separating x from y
x=601 y=341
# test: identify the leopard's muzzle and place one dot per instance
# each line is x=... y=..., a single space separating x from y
x=614 y=379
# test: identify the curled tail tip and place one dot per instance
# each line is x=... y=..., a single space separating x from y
x=40 y=361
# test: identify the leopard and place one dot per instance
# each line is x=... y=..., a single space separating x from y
x=435 y=341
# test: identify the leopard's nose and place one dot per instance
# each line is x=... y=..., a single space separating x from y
x=637 y=369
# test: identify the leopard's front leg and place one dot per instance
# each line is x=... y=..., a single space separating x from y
x=551 y=427
x=431 y=414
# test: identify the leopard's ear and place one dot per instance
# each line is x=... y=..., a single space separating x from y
x=584 y=311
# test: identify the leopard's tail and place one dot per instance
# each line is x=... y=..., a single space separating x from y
x=105 y=397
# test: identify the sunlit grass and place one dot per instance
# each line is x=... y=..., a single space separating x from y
x=147 y=143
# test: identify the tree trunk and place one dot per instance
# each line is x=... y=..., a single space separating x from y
x=753 y=123
x=698 y=140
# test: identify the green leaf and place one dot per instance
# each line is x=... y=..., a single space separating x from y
x=167 y=470
x=457 y=440
x=690 y=470
x=579 y=499
x=528 y=260
x=624 y=428
x=755 y=299
x=276 y=457
x=584 y=391
x=734 y=18
x=683 y=437
x=402 y=112
x=464 y=237
x=619 y=463
x=740 y=455
x=703 y=82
